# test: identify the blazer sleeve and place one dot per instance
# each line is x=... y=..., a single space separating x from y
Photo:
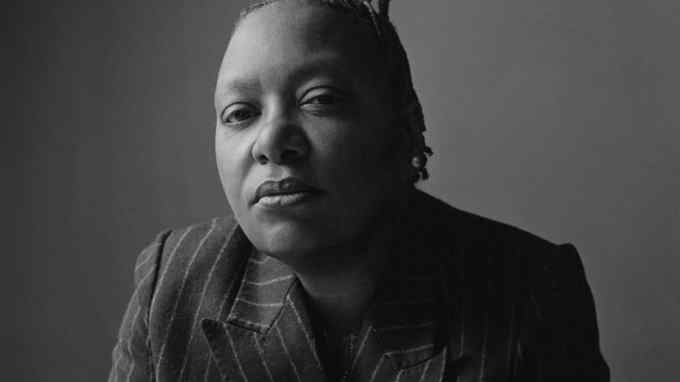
x=562 y=340
x=131 y=355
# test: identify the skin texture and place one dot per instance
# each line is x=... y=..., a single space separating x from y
x=300 y=94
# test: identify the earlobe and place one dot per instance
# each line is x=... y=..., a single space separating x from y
x=405 y=152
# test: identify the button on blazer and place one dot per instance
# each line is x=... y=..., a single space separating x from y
x=463 y=298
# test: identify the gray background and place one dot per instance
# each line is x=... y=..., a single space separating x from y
x=560 y=117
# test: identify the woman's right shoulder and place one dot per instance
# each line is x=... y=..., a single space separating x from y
x=184 y=240
x=177 y=255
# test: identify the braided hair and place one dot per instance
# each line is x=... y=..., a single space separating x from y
x=404 y=97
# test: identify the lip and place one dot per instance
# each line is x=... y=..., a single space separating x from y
x=284 y=192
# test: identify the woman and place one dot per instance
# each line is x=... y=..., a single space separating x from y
x=333 y=266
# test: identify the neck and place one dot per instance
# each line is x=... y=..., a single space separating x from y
x=341 y=281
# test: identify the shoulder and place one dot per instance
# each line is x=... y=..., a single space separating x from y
x=184 y=274
x=186 y=253
x=195 y=235
x=473 y=231
x=182 y=255
x=491 y=247
x=195 y=263
x=169 y=256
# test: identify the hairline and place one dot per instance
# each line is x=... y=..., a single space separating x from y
x=380 y=59
x=253 y=8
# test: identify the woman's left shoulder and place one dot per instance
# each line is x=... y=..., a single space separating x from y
x=483 y=241
x=449 y=223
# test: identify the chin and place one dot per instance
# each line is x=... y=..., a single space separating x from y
x=288 y=241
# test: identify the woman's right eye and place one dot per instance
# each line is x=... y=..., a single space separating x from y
x=238 y=113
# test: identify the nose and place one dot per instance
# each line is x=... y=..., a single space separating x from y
x=280 y=141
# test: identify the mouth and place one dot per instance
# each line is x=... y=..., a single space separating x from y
x=282 y=193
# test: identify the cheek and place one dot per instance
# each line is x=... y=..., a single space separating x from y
x=358 y=156
x=231 y=155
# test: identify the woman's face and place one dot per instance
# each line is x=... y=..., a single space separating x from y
x=304 y=145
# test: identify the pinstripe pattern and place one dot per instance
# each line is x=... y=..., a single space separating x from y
x=235 y=353
x=377 y=368
x=465 y=299
x=181 y=290
x=287 y=353
x=425 y=369
x=260 y=352
x=131 y=345
x=195 y=321
x=367 y=332
x=306 y=331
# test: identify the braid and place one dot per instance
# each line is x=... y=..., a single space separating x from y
x=408 y=104
x=404 y=97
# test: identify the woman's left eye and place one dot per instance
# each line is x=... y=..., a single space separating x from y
x=321 y=99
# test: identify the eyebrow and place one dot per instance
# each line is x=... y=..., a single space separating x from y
x=239 y=85
x=331 y=64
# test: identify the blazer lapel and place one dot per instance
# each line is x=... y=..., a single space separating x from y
x=406 y=335
x=267 y=334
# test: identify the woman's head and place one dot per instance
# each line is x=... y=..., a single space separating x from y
x=310 y=143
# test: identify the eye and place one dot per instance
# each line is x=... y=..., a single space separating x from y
x=322 y=98
x=238 y=113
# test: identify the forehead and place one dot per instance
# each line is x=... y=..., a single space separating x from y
x=290 y=33
x=305 y=19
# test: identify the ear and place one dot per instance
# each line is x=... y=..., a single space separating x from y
x=403 y=150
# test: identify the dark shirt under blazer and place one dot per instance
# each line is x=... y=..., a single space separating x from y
x=463 y=299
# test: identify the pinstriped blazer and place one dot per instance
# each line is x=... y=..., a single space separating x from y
x=464 y=299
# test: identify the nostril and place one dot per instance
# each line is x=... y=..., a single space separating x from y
x=290 y=155
x=262 y=159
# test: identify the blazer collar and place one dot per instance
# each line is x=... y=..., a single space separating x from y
x=268 y=331
x=265 y=290
x=267 y=334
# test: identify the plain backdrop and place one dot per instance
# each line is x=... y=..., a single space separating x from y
x=560 y=117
